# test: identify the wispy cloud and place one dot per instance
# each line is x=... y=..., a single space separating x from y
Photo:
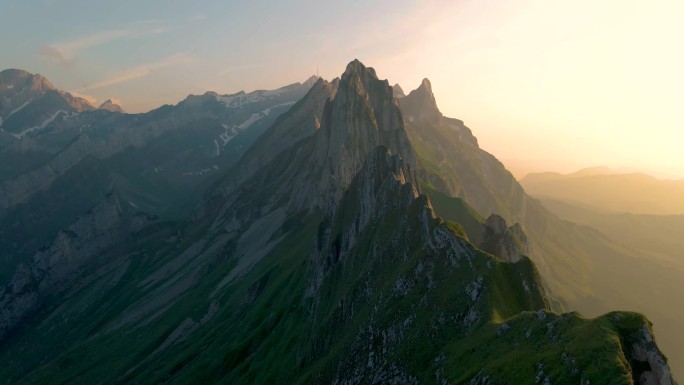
x=64 y=53
x=138 y=72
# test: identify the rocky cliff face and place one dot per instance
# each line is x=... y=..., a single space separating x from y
x=507 y=243
x=54 y=270
x=362 y=115
x=649 y=366
x=462 y=168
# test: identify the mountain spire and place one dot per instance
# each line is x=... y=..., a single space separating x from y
x=420 y=103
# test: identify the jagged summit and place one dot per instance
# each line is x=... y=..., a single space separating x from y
x=360 y=114
x=29 y=102
x=398 y=91
x=363 y=115
x=111 y=105
x=426 y=85
x=420 y=104
x=15 y=79
x=356 y=67
x=311 y=81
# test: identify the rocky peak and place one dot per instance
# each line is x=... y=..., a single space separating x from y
x=420 y=104
x=16 y=80
x=311 y=81
x=507 y=243
x=362 y=116
x=29 y=102
x=111 y=105
x=398 y=91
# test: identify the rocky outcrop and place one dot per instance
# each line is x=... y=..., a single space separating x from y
x=419 y=106
x=649 y=366
x=397 y=91
x=52 y=270
x=111 y=105
x=507 y=243
x=384 y=183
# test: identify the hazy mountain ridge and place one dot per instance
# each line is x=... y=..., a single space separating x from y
x=611 y=192
x=582 y=268
x=659 y=234
x=325 y=265
x=159 y=162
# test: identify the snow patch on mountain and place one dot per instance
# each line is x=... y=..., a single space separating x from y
x=251 y=120
x=14 y=111
x=241 y=98
x=268 y=110
x=201 y=171
x=231 y=132
x=42 y=125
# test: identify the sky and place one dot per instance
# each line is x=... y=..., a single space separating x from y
x=544 y=85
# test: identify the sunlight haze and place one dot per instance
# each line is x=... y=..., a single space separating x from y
x=555 y=85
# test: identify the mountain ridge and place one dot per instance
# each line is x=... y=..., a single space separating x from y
x=326 y=264
x=637 y=193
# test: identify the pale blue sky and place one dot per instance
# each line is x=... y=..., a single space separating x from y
x=552 y=85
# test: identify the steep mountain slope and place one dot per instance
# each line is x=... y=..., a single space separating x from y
x=30 y=102
x=158 y=162
x=582 y=269
x=615 y=192
x=326 y=265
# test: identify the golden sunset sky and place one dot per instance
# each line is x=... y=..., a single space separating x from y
x=544 y=85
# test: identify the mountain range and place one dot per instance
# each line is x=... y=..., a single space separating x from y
x=607 y=190
x=336 y=232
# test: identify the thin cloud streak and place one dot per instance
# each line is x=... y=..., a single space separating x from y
x=65 y=53
x=138 y=72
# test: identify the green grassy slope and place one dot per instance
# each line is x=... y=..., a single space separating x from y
x=583 y=269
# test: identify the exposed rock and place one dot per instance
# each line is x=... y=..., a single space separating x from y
x=111 y=105
x=362 y=116
x=397 y=91
x=651 y=366
x=509 y=244
x=52 y=270
x=419 y=106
